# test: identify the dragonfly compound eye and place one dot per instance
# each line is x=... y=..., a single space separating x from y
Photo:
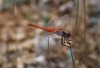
x=69 y=34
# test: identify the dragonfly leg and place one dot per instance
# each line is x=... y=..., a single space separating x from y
x=63 y=41
x=66 y=39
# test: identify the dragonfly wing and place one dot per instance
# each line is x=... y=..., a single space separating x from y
x=61 y=22
x=47 y=34
x=51 y=23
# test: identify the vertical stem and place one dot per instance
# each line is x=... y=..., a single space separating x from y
x=49 y=54
x=75 y=31
x=70 y=46
x=0 y=34
x=72 y=55
x=77 y=14
x=84 y=33
x=77 y=9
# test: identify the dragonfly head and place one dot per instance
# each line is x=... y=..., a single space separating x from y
x=69 y=34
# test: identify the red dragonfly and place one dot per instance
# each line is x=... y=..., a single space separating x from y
x=55 y=26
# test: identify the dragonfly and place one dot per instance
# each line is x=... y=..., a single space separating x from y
x=55 y=26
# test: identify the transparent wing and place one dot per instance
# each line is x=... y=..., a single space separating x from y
x=61 y=22
x=51 y=23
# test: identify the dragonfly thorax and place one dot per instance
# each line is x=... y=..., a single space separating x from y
x=59 y=33
x=66 y=34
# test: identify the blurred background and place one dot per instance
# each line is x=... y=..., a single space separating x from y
x=23 y=46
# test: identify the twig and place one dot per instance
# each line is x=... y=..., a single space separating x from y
x=72 y=55
x=77 y=15
x=84 y=33
x=49 y=54
x=0 y=41
x=63 y=43
x=70 y=46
